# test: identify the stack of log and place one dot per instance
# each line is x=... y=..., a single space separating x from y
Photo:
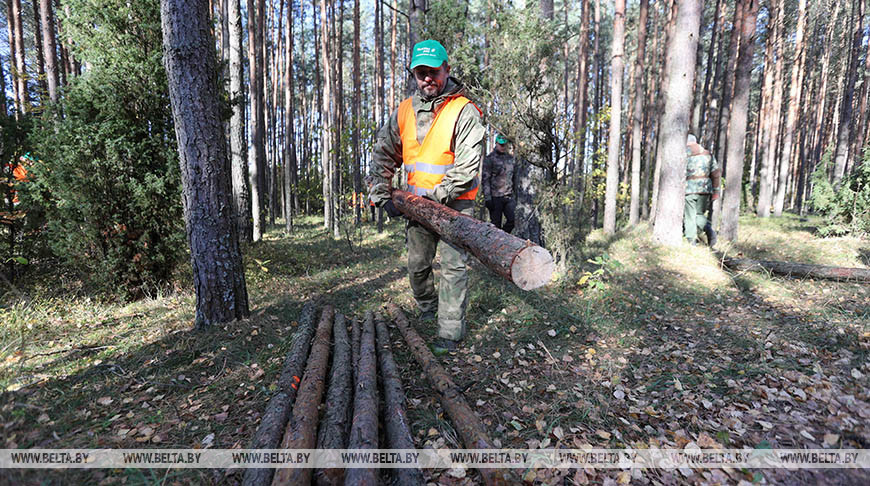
x=348 y=385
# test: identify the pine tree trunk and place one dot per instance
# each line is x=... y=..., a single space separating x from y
x=794 y=98
x=617 y=67
x=290 y=162
x=49 y=47
x=326 y=116
x=393 y=73
x=357 y=100
x=721 y=143
x=719 y=14
x=675 y=122
x=739 y=121
x=844 y=130
x=255 y=64
x=191 y=68
x=238 y=146
x=765 y=178
x=671 y=9
x=581 y=106
x=637 y=121
x=19 y=74
x=10 y=29
x=40 y=53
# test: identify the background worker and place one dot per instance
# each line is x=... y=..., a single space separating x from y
x=703 y=178
x=499 y=173
x=438 y=135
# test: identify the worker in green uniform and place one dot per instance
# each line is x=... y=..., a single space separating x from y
x=703 y=178
x=499 y=173
x=437 y=136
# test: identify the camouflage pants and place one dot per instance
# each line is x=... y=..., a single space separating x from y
x=695 y=215
x=452 y=297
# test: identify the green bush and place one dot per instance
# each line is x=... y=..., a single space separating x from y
x=109 y=175
x=846 y=210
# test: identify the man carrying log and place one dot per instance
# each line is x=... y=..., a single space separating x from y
x=438 y=136
x=703 y=177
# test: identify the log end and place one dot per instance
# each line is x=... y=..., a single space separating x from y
x=532 y=268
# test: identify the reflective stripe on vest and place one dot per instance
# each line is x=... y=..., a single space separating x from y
x=426 y=164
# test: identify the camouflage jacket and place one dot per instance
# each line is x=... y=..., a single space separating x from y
x=467 y=146
x=702 y=171
x=499 y=171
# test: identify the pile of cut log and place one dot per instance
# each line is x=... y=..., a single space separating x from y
x=348 y=386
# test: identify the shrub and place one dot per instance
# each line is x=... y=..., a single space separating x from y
x=109 y=176
x=847 y=209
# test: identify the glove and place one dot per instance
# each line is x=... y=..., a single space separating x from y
x=391 y=210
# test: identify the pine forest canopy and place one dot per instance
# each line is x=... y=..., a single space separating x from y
x=590 y=98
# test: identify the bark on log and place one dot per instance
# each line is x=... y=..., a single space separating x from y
x=522 y=262
x=464 y=419
x=800 y=270
x=268 y=435
x=354 y=347
x=395 y=418
x=339 y=396
x=364 y=431
x=302 y=429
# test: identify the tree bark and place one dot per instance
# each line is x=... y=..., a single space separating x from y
x=238 y=146
x=675 y=123
x=333 y=433
x=398 y=430
x=290 y=162
x=10 y=29
x=617 y=68
x=523 y=263
x=364 y=430
x=218 y=272
x=40 y=53
x=357 y=99
x=719 y=14
x=19 y=74
x=581 y=104
x=794 y=98
x=800 y=270
x=671 y=9
x=49 y=47
x=326 y=121
x=844 y=130
x=722 y=123
x=256 y=152
x=469 y=427
x=302 y=428
x=277 y=413
x=739 y=121
x=637 y=122
x=765 y=178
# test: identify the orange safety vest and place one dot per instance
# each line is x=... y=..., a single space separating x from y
x=426 y=164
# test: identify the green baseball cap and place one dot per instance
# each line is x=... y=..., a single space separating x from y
x=428 y=53
x=499 y=139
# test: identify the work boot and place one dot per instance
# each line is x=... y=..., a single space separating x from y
x=427 y=316
x=442 y=346
x=712 y=237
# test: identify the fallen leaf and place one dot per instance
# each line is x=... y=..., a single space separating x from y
x=551 y=333
x=603 y=434
x=831 y=439
x=857 y=374
x=619 y=394
x=105 y=401
x=624 y=477
x=807 y=435
x=207 y=441
x=220 y=417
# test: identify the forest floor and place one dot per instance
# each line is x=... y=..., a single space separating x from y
x=641 y=347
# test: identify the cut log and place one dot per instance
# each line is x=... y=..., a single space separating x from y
x=339 y=396
x=522 y=262
x=800 y=270
x=302 y=428
x=354 y=347
x=271 y=428
x=468 y=425
x=395 y=417
x=364 y=430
